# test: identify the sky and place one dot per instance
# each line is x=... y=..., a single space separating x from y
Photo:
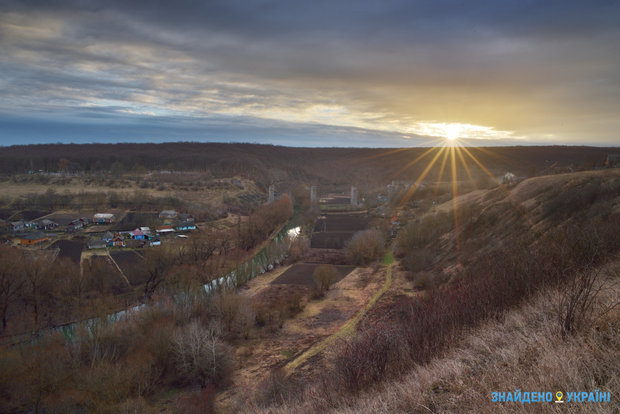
x=311 y=73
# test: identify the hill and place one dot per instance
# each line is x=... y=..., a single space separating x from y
x=497 y=291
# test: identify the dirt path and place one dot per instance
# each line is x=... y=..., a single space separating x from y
x=348 y=327
x=118 y=267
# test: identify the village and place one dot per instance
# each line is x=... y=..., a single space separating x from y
x=101 y=230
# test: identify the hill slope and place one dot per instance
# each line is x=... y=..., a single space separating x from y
x=525 y=298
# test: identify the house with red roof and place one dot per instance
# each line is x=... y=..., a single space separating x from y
x=138 y=234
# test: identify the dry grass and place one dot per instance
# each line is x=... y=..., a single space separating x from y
x=318 y=320
x=524 y=351
x=202 y=195
x=346 y=330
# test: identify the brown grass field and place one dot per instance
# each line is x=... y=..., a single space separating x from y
x=259 y=355
x=302 y=274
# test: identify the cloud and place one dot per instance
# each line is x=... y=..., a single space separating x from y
x=538 y=71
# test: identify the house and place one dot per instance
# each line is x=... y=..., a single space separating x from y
x=165 y=230
x=75 y=225
x=138 y=234
x=46 y=224
x=186 y=225
x=186 y=217
x=85 y=221
x=97 y=244
x=107 y=236
x=104 y=218
x=18 y=225
x=30 y=239
x=168 y=214
x=146 y=230
x=117 y=241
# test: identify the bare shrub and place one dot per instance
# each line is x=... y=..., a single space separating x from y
x=576 y=300
x=299 y=248
x=423 y=281
x=274 y=305
x=246 y=319
x=430 y=323
x=202 y=401
x=324 y=276
x=225 y=308
x=274 y=388
x=416 y=260
x=201 y=356
x=365 y=247
x=369 y=357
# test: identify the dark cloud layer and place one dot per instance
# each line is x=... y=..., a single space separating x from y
x=309 y=73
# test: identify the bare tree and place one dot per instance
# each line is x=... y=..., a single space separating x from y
x=201 y=355
x=36 y=283
x=157 y=263
x=11 y=281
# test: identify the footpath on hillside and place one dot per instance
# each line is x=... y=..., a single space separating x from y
x=349 y=327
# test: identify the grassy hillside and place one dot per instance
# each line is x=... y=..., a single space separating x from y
x=520 y=292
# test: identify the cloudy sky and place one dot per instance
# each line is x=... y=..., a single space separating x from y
x=311 y=73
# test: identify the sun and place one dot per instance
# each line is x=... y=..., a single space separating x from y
x=452 y=132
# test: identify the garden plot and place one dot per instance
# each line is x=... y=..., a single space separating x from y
x=71 y=249
x=113 y=279
x=341 y=222
x=332 y=231
x=129 y=262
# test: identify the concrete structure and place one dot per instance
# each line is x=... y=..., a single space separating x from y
x=272 y=194
x=612 y=161
x=354 y=197
x=314 y=200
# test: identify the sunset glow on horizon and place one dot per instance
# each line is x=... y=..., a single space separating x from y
x=392 y=74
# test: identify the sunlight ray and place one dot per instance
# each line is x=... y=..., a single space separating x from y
x=465 y=166
x=416 y=185
x=441 y=169
x=454 y=199
x=413 y=162
x=485 y=169
x=518 y=208
x=385 y=154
